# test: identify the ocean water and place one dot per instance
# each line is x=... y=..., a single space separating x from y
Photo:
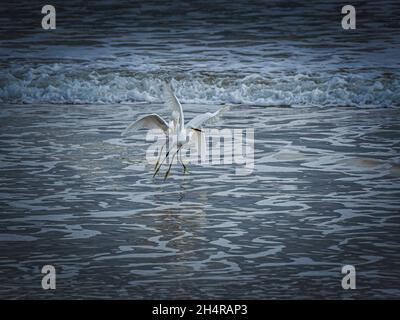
x=242 y=52
x=324 y=191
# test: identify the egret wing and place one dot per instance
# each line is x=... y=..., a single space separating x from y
x=206 y=118
x=151 y=121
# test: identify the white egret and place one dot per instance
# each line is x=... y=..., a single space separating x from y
x=184 y=133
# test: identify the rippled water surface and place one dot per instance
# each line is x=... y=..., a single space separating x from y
x=324 y=191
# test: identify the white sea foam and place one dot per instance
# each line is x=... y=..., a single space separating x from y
x=74 y=84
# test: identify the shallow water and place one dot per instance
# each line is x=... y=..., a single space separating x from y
x=324 y=192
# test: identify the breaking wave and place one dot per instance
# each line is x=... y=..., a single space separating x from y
x=72 y=84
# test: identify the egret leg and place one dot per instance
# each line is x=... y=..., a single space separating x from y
x=159 y=157
x=170 y=165
x=184 y=167
x=159 y=167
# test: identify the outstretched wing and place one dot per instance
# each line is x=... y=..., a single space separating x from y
x=151 y=121
x=172 y=102
x=206 y=118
